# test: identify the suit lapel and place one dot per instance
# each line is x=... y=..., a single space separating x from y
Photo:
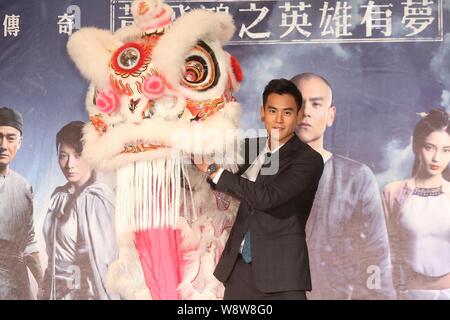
x=283 y=157
x=252 y=149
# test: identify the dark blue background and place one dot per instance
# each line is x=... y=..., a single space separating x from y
x=378 y=87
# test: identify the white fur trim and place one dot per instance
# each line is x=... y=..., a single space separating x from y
x=91 y=50
x=128 y=33
x=213 y=135
x=125 y=275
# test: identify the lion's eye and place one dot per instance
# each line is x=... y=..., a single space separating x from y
x=128 y=58
x=201 y=70
x=195 y=70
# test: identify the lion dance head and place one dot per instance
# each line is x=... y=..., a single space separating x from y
x=160 y=90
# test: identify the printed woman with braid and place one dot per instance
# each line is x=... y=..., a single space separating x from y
x=418 y=215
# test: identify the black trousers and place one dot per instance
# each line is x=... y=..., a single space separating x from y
x=240 y=286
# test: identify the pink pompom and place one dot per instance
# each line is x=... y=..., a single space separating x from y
x=107 y=101
x=153 y=87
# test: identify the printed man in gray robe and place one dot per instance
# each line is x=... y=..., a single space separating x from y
x=18 y=248
x=346 y=231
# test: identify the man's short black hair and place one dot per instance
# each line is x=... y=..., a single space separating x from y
x=283 y=86
x=72 y=135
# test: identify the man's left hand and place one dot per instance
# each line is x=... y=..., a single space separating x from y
x=202 y=166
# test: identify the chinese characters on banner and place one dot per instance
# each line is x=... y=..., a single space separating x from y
x=11 y=25
x=66 y=22
x=270 y=21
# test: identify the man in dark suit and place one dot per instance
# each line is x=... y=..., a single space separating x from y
x=266 y=256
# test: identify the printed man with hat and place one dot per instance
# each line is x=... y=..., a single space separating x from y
x=18 y=248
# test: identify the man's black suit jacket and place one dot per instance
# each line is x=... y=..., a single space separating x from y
x=275 y=208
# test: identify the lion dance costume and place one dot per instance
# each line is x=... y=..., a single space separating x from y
x=161 y=90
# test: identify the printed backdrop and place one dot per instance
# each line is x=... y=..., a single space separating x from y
x=386 y=60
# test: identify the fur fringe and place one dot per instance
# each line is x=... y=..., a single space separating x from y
x=148 y=194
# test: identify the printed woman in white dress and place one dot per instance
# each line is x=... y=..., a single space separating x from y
x=418 y=215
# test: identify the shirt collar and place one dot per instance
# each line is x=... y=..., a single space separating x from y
x=267 y=149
